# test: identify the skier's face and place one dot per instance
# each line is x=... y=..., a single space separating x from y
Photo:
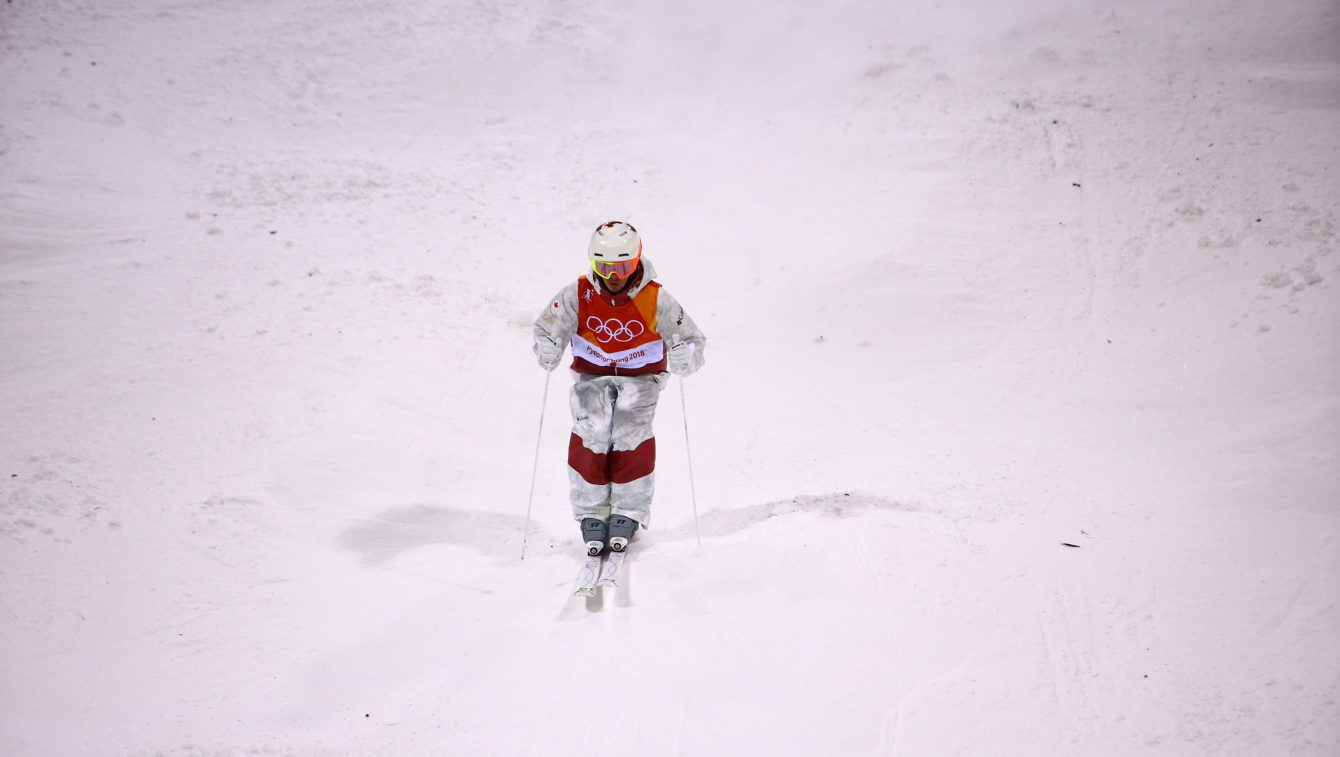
x=616 y=285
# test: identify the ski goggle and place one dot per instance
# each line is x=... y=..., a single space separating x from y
x=620 y=269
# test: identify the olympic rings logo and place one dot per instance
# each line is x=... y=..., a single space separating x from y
x=615 y=330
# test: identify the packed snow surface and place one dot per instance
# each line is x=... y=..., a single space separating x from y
x=1019 y=431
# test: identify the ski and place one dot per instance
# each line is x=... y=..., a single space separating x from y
x=588 y=576
x=612 y=571
x=603 y=569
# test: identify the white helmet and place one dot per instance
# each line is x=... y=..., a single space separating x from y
x=614 y=250
x=614 y=241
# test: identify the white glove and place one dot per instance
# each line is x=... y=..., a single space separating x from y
x=548 y=352
x=681 y=358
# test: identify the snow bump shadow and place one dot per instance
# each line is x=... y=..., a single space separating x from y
x=391 y=532
x=733 y=521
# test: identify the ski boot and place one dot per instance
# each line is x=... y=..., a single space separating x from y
x=594 y=533
x=621 y=530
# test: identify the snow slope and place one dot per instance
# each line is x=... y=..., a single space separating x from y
x=980 y=282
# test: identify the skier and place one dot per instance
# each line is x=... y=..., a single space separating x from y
x=625 y=331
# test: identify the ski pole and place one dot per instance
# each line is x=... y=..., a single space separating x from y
x=693 y=490
x=535 y=467
x=688 y=452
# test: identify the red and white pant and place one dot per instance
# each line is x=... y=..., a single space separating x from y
x=612 y=452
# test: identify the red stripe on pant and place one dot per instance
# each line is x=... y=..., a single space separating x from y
x=619 y=467
x=626 y=467
x=593 y=467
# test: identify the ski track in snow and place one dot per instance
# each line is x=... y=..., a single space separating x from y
x=1017 y=433
x=891 y=724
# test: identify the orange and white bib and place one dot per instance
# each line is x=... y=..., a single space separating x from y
x=617 y=340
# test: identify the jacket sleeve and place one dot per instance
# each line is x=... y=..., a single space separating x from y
x=558 y=322
x=672 y=321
